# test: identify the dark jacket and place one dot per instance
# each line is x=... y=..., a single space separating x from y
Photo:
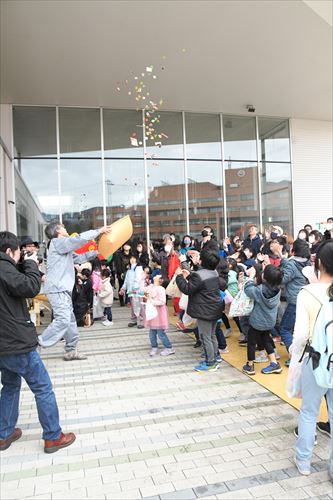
x=17 y=332
x=143 y=259
x=202 y=287
x=162 y=258
x=254 y=244
x=121 y=263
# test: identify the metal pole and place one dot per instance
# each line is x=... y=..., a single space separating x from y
x=103 y=165
x=292 y=179
x=187 y=208
x=259 y=175
x=58 y=164
x=146 y=176
x=223 y=179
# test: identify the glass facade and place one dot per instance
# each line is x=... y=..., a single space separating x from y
x=82 y=166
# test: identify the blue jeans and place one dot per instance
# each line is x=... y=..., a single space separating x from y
x=312 y=396
x=287 y=325
x=162 y=336
x=29 y=366
x=108 y=312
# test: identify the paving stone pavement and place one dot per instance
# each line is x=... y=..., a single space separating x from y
x=153 y=428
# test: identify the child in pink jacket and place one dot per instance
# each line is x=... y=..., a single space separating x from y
x=157 y=326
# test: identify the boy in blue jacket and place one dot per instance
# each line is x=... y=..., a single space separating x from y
x=262 y=318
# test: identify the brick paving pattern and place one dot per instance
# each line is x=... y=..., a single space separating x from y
x=153 y=428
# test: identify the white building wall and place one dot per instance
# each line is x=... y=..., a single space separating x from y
x=312 y=171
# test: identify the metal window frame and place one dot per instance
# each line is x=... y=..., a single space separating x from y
x=103 y=165
x=259 y=174
x=187 y=207
x=146 y=188
x=291 y=163
x=145 y=166
x=224 y=187
x=58 y=163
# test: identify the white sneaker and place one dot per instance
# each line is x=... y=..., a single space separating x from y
x=261 y=358
x=107 y=323
x=167 y=351
x=154 y=351
x=224 y=351
x=303 y=466
x=227 y=333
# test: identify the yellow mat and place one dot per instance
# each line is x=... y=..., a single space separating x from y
x=276 y=383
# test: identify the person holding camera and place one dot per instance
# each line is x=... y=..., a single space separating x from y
x=18 y=355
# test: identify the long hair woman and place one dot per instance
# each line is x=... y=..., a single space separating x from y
x=309 y=303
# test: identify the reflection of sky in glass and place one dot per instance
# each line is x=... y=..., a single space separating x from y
x=277 y=172
x=124 y=181
x=41 y=178
x=276 y=149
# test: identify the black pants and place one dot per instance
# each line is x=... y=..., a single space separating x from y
x=220 y=337
x=227 y=323
x=260 y=337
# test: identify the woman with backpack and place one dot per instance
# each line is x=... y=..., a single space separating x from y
x=312 y=344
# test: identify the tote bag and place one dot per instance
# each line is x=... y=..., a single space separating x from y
x=151 y=311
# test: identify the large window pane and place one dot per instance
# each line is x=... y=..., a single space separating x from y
x=166 y=186
x=205 y=193
x=41 y=179
x=274 y=139
x=121 y=126
x=34 y=131
x=80 y=132
x=239 y=136
x=242 y=201
x=203 y=136
x=276 y=195
x=170 y=125
x=37 y=200
x=125 y=194
x=81 y=194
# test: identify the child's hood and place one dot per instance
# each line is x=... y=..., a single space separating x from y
x=105 y=280
x=270 y=296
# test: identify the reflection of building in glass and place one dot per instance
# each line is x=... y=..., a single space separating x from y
x=205 y=207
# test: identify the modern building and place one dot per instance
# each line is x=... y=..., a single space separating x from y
x=178 y=113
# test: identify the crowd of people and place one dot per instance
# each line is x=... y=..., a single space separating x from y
x=271 y=285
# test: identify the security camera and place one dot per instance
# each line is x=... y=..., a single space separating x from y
x=250 y=108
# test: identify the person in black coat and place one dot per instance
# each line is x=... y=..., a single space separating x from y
x=253 y=241
x=121 y=264
x=142 y=255
x=204 y=302
x=18 y=355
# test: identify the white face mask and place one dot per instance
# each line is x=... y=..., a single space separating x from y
x=329 y=227
x=167 y=248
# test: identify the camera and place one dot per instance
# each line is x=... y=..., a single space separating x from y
x=204 y=233
x=185 y=265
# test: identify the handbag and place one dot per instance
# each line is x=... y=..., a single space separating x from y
x=151 y=311
x=98 y=309
x=183 y=303
x=172 y=289
x=242 y=305
x=228 y=298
